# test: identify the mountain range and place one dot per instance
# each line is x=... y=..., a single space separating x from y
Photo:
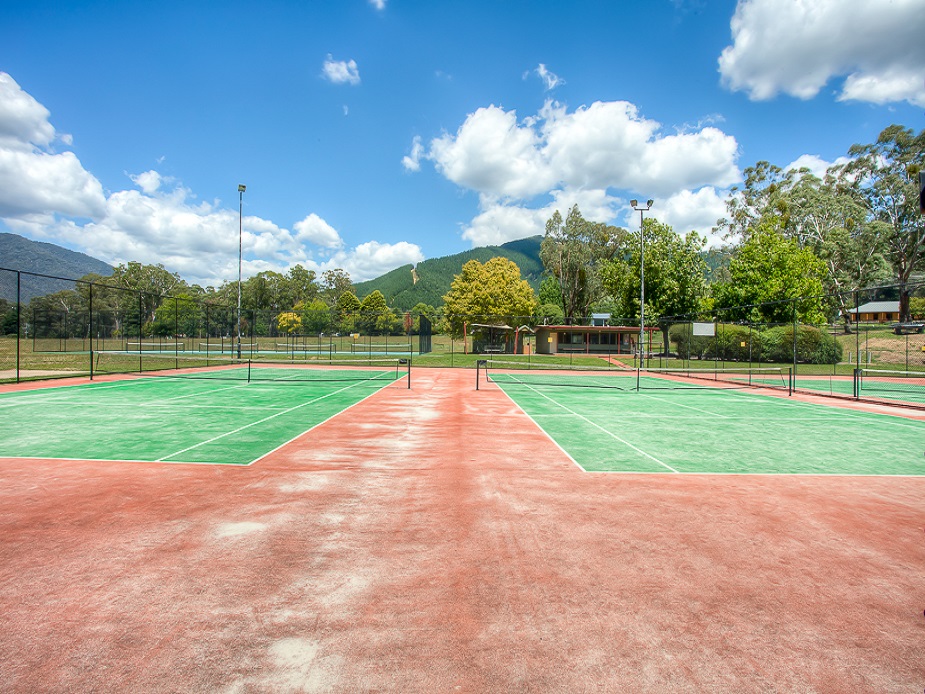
x=59 y=264
x=403 y=287
x=429 y=280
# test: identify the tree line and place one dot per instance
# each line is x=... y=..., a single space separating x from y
x=795 y=245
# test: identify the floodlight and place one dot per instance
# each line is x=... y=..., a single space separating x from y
x=649 y=203
x=241 y=187
x=633 y=203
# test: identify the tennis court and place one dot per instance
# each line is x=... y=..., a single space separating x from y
x=682 y=425
x=224 y=414
x=434 y=539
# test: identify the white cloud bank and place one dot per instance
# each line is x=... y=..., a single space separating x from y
x=524 y=170
x=798 y=46
x=50 y=196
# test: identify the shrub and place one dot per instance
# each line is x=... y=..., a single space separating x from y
x=740 y=343
x=814 y=346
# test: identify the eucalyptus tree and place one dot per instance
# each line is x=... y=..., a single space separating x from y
x=572 y=252
x=885 y=175
x=832 y=221
x=675 y=273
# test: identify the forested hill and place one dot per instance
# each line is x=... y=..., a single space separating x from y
x=18 y=253
x=435 y=276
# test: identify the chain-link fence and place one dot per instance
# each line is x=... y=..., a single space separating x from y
x=57 y=327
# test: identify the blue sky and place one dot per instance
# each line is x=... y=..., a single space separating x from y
x=376 y=133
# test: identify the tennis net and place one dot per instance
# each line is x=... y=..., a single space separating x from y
x=891 y=385
x=222 y=368
x=504 y=372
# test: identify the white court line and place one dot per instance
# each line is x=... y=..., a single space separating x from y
x=259 y=421
x=598 y=426
x=833 y=409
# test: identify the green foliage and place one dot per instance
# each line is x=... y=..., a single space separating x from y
x=674 y=273
x=550 y=292
x=316 y=317
x=334 y=284
x=572 y=252
x=180 y=315
x=289 y=323
x=917 y=307
x=346 y=308
x=490 y=292
x=375 y=317
x=885 y=176
x=428 y=281
x=814 y=346
x=549 y=314
x=8 y=320
x=769 y=275
x=742 y=343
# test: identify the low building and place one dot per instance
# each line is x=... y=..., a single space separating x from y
x=590 y=339
x=876 y=312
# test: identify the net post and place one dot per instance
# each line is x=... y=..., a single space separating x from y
x=856 y=382
x=407 y=364
x=249 y=360
x=479 y=365
x=19 y=322
x=790 y=383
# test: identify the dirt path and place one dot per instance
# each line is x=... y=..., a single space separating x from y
x=434 y=540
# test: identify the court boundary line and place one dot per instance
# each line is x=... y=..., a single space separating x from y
x=598 y=426
x=540 y=427
x=898 y=421
x=163 y=461
x=267 y=419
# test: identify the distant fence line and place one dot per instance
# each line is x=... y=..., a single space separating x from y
x=64 y=318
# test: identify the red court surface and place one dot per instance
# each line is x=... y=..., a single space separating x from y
x=434 y=540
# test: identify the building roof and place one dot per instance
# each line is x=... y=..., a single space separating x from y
x=595 y=328
x=877 y=307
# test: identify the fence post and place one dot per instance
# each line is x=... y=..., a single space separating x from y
x=795 y=327
x=18 y=319
x=90 y=309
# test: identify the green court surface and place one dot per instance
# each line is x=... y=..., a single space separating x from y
x=217 y=418
x=717 y=431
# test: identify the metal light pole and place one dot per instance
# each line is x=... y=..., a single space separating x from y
x=241 y=189
x=642 y=284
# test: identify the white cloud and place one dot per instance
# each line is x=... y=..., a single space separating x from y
x=691 y=211
x=23 y=120
x=313 y=229
x=550 y=79
x=38 y=182
x=340 y=71
x=51 y=196
x=412 y=161
x=816 y=164
x=378 y=4
x=33 y=179
x=491 y=153
x=149 y=181
x=523 y=171
x=372 y=259
x=797 y=46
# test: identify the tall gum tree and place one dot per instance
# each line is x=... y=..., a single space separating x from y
x=885 y=175
x=572 y=252
x=675 y=274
